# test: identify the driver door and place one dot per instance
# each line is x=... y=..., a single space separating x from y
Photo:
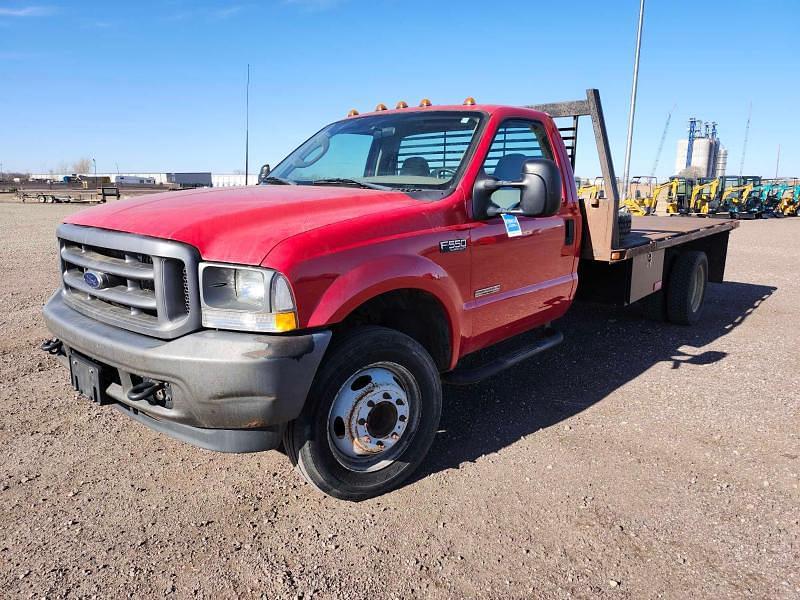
x=518 y=281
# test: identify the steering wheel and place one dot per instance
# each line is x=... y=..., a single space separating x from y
x=444 y=173
x=302 y=163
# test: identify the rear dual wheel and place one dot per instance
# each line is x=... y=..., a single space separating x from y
x=686 y=291
x=683 y=299
x=370 y=417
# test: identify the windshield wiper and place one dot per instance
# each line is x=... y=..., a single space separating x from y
x=347 y=181
x=278 y=180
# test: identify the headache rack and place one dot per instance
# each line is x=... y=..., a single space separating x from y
x=601 y=234
x=138 y=283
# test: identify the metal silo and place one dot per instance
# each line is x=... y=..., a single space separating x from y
x=680 y=155
x=722 y=162
x=702 y=155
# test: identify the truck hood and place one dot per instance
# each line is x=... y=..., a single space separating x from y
x=239 y=225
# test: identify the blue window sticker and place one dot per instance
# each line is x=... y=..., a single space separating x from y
x=512 y=225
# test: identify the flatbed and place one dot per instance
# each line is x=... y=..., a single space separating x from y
x=651 y=233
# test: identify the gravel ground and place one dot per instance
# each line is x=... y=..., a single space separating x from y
x=637 y=460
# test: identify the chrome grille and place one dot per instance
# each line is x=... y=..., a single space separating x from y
x=147 y=285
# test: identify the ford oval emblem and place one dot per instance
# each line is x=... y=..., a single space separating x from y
x=93 y=280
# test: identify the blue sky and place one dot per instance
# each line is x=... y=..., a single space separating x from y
x=159 y=86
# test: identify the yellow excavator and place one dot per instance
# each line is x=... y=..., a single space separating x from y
x=790 y=201
x=734 y=199
x=704 y=197
x=649 y=205
x=680 y=198
x=640 y=192
x=591 y=191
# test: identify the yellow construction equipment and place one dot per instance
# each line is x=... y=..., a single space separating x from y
x=680 y=199
x=649 y=205
x=704 y=197
x=640 y=190
x=789 y=202
x=590 y=192
x=734 y=199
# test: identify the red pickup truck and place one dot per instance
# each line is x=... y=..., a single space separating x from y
x=323 y=308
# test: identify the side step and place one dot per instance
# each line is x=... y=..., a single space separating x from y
x=551 y=339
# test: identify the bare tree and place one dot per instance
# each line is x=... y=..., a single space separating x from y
x=82 y=165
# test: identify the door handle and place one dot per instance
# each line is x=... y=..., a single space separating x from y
x=569 y=232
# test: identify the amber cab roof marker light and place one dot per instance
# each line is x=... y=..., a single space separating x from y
x=402 y=104
x=381 y=106
x=470 y=101
x=353 y=113
x=424 y=102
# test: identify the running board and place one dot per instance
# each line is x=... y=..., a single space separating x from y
x=551 y=339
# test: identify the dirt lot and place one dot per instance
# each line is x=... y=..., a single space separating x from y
x=638 y=460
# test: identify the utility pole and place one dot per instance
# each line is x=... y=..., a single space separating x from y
x=634 y=88
x=247 y=126
x=778 y=162
x=746 y=135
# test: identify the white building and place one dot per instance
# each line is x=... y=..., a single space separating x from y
x=217 y=179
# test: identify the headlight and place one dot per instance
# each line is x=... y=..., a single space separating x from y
x=246 y=299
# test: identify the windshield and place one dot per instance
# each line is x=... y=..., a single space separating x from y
x=412 y=151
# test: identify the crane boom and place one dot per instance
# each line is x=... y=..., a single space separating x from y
x=746 y=136
x=661 y=143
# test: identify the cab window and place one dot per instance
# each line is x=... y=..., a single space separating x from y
x=516 y=141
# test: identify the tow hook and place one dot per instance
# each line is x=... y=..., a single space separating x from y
x=145 y=389
x=53 y=346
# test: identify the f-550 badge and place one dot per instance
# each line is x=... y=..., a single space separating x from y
x=452 y=245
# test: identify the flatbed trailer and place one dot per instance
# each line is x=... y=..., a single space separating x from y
x=625 y=269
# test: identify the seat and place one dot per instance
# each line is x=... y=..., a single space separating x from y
x=416 y=166
x=509 y=167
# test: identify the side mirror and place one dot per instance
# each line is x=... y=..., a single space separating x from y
x=263 y=173
x=539 y=191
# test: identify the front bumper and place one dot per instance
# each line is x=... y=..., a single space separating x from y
x=232 y=392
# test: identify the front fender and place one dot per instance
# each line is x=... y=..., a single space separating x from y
x=386 y=274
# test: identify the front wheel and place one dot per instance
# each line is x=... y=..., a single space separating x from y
x=370 y=417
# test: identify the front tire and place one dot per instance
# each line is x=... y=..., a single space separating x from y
x=370 y=417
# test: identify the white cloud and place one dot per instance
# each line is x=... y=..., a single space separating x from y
x=27 y=11
x=315 y=4
x=224 y=13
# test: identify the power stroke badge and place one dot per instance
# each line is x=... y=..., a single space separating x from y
x=452 y=245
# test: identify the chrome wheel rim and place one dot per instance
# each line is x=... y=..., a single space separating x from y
x=698 y=287
x=373 y=417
